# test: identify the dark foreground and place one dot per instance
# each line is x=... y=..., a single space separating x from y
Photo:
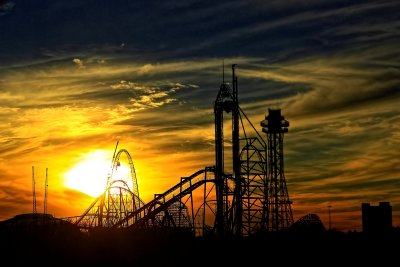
x=64 y=244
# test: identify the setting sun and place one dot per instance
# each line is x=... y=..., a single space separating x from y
x=90 y=175
x=158 y=115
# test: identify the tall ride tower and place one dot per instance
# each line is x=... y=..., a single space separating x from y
x=279 y=206
x=227 y=101
x=241 y=192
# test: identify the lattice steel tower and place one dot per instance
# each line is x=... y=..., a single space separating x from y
x=241 y=196
x=279 y=205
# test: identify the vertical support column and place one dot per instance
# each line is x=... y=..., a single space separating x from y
x=101 y=209
x=33 y=191
x=236 y=156
x=204 y=204
x=180 y=202
x=121 y=200
x=228 y=218
x=46 y=185
x=219 y=167
x=191 y=203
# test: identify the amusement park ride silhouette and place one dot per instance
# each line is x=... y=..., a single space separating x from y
x=243 y=200
x=248 y=197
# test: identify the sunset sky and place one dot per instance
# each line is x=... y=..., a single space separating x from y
x=76 y=76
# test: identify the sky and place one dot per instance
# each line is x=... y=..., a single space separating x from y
x=77 y=76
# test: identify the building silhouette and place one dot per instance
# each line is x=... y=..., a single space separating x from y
x=376 y=219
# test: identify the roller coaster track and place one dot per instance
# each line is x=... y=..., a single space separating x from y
x=234 y=202
x=94 y=216
x=161 y=202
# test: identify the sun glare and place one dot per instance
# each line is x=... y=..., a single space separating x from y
x=90 y=175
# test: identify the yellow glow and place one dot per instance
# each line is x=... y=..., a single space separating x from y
x=90 y=175
x=122 y=173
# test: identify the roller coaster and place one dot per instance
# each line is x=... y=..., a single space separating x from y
x=250 y=198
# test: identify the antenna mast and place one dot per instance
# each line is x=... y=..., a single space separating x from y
x=46 y=185
x=223 y=71
x=33 y=190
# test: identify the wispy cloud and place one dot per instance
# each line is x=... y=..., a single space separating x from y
x=78 y=62
x=6 y=7
x=331 y=66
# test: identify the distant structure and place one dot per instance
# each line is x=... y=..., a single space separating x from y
x=280 y=215
x=310 y=223
x=46 y=185
x=376 y=219
x=33 y=191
